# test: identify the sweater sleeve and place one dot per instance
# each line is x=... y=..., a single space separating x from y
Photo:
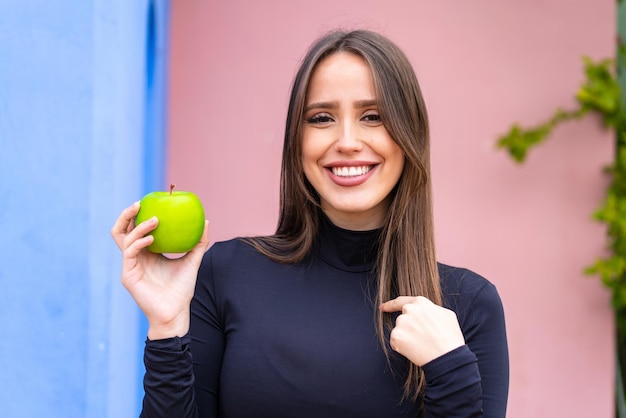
x=176 y=383
x=473 y=380
x=169 y=379
x=208 y=340
x=453 y=386
x=485 y=334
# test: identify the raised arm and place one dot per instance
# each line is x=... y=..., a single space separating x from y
x=163 y=289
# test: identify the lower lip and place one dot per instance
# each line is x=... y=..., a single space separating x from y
x=352 y=180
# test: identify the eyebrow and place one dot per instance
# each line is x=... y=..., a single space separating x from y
x=334 y=105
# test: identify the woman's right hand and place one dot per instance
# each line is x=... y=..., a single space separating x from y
x=162 y=287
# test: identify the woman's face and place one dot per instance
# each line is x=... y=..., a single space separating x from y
x=348 y=155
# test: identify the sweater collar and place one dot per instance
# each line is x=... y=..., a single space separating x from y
x=353 y=251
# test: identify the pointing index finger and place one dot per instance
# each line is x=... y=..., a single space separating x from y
x=395 y=305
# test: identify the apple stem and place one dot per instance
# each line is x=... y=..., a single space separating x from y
x=172 y=185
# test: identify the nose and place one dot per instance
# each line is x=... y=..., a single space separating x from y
x=348 y=139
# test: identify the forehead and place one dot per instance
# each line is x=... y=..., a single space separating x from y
x=341 y=73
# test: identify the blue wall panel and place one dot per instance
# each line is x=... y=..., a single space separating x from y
x=73 y=120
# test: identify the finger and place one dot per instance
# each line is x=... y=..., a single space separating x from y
x=140 y=231
x=204 y=240
x=392 y=340
x=130 y=260
x=124 y=223
x=395 y=305
x=198 y=251
x=136 y=246
x=131 y=224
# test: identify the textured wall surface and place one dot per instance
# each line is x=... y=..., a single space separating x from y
x=73 y=138
x=482 y=66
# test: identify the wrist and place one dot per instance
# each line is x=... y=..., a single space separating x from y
x=178 y=327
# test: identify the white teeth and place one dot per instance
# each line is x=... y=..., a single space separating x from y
x=351 y=171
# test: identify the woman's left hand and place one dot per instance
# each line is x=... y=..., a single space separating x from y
x=424 y=330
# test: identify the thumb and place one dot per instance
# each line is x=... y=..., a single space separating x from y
x=198 y=251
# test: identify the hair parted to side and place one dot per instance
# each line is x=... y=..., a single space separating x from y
x=406 y=262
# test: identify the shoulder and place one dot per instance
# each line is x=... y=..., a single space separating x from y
x=233 y=266
x=234 y=253
x=480 y=312
x=240 y=256
x=469 y=294
x=228 y=250
x=456 y=281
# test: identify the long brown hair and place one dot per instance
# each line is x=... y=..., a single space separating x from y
x=406 y=263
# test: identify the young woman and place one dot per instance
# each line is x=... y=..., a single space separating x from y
x=344 y=311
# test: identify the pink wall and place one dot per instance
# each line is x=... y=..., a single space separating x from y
x=482 y=65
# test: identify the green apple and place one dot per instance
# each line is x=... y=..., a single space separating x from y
x=181 y=220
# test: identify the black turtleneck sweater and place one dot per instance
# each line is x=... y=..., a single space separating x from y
x=276 y=340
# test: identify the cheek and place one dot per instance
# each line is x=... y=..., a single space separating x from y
x=305 y=153
x=395 y=158
x=309 y=158
x=312 y=150
x=401 y=162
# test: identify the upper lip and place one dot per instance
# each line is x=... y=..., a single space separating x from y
x=349 y=164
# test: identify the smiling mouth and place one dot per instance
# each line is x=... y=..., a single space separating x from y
x=351 y=171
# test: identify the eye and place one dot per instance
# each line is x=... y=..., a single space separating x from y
x=320 y=119
x=371 y=118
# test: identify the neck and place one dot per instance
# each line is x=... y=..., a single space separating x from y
x=361 y=221
x=348 y=250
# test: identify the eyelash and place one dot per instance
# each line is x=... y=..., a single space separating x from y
x=319 y=118
x=322 y=118
x=369 y=117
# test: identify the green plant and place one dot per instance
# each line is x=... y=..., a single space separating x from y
x=600 y=94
